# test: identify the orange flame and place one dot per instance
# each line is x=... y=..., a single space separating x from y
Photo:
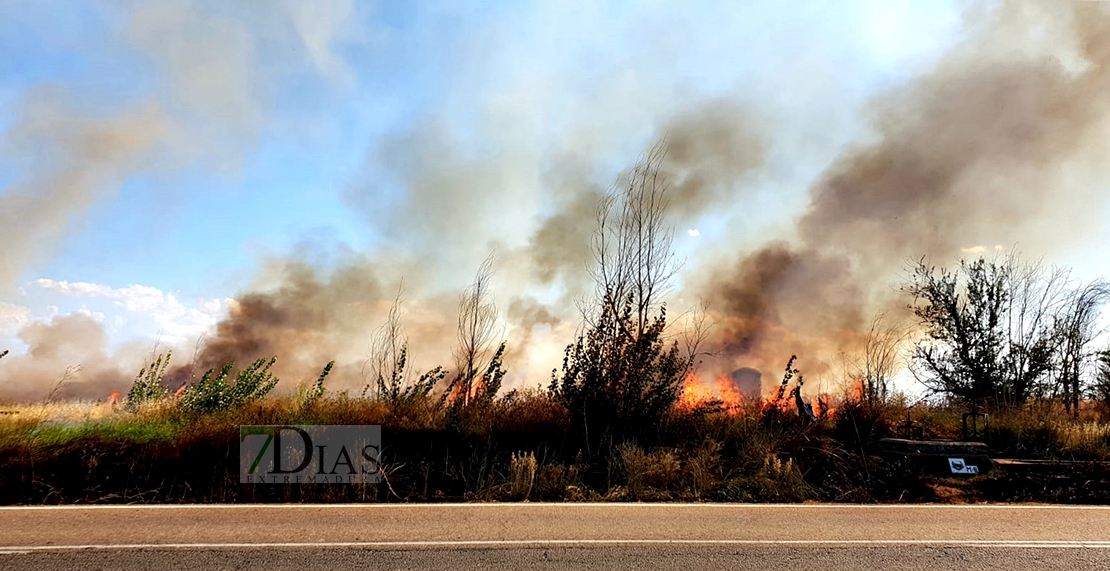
x=729 y=395
x=477 y=386
x=695 y=393
x=857 y=390
x=779 y=400
x=822 y=408
x=112 y=400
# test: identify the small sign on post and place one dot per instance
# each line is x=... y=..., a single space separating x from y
x=958 y=466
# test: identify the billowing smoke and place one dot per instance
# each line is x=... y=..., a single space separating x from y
x=73 y=144
x=89 y=371
x=312 y=316
x=1000 y=144
x=997 y=144
x=78 y=160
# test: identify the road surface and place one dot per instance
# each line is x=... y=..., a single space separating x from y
x=555 y=536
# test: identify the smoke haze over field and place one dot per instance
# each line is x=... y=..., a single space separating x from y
x=1002 y=143
x=809 y=205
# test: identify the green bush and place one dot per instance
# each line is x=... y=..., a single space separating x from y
x=316 y=391
x=401 y=394
x=619 y=380
x=214 y=393
x=148 y=387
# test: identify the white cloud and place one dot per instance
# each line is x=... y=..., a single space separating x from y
x=147 y=310
x=97 y=316
x=73 y=288
x=693 y=232
x=979 y=249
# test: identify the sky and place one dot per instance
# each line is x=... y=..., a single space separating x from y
x=156 y=157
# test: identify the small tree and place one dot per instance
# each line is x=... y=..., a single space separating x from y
x=148 y=386
x=621 y=376
x=387 y=368
x=882 y=355
x=617 y=383
x=316 y=391
x=479 y=374
x=215 y=393
x=962 y=355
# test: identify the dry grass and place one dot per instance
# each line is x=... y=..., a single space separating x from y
x=522 y=468
x=516 y=449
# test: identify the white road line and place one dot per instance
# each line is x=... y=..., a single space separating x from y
x=564 y=505
x=976 y=543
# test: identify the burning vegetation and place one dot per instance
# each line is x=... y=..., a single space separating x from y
x=643 y=405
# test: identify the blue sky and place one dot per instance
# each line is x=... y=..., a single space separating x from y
x=272 y=165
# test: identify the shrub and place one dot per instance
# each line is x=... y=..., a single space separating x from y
x=316 y=391
x=659 y=470
x=471 y=388
x=213 y=393
x=470 y=402
x=618 y=380
x=703 y=468
x=557 y=482
x=522 y=470
x=148 y=387
x=400 y=394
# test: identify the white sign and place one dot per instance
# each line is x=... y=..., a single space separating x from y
x=958 y=466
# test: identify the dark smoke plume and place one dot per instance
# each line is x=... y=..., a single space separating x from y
x=983 y=150
x=1000 y=143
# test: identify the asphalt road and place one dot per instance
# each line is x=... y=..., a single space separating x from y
x=555 y=536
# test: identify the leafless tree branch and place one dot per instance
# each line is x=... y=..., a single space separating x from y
x=477 y=330
x=632 y=244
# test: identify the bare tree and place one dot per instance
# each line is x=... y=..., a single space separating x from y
x=1035 y=295
x=622 y=374
x=632 y=244
x=882 y=355
x=70 y=372
x=387 y=369
x=1076 y=329
x=696 y=331
x=386 y=346
x=476 y=334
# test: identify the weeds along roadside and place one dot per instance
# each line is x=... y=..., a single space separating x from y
x=518 y=448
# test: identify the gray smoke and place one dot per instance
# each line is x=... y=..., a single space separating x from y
x=992 y=147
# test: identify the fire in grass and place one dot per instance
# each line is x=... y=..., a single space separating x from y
x=722 y=394
x=739 y=391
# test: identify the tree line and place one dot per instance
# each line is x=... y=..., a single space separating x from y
x=999 y=332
